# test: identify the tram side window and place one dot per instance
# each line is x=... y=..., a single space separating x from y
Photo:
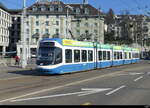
x=104 y=55
x=76 y=56
x=125 y=54
x=129 y=55
x=120 y=55
x=133 y=55
x=84 y=56
x=115 y=55
x=108 y=55
x=68 y=53
x=100 y=55
x=90 y=55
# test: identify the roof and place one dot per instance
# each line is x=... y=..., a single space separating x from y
x=59 y=4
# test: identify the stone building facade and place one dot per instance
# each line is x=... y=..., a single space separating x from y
x=5 y=24
x=58 y=20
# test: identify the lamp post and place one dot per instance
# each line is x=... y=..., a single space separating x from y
x=68 y=7
x=24 y=52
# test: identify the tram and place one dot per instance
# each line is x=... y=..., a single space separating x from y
x=59 y=56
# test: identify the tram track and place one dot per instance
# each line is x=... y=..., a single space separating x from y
x=14 y=87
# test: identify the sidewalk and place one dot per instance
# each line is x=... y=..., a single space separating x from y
x=16 y=68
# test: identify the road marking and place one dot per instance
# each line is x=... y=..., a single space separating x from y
x=86 y=91
x=148 y=73
x=58 y=87
x=93 y=90
x=13 y=78
x=87 y=103
x=130 y=74
x=113 y=91
x=135 y=73
x=138 y=78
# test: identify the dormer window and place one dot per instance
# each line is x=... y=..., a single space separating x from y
x=77 y=11
x=43 y=8
x=34 y=8
x=86 y=11
x=51 y=8
x=60 y=9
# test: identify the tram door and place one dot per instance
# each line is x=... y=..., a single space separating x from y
x=95 y=57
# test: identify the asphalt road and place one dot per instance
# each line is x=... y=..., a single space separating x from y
x=123 y=85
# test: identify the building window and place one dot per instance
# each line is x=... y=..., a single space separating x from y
x=95 y=31
x=86 y=11
x=57 y=16
x=47 y=16
x=43 y=8
x=37 y=23
x=96 y=25
x=77 y=10
x=86 y=25
x=37 y=30
x=78 y=24
x=60 y=9
x=57 y=22
x=47 y=23
x=27 y=31
x=51 y=8
x=47 y=31
x=57 y=31
x=34 y=8
x=27 y=23
x=78 y=32
x=37 y=16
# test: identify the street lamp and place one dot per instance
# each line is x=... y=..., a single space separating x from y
x=68 y=7
x=24 y=52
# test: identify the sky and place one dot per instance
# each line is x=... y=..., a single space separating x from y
x=119 y=6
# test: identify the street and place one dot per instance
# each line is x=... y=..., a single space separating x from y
x=122 y=85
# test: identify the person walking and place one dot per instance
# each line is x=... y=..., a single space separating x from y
x=17 y=59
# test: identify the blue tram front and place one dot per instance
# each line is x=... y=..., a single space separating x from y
x=49 y=56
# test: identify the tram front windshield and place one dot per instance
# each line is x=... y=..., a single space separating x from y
x=49 y=56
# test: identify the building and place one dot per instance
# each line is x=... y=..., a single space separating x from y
x=58 y=20
x=15 y=30
x=5 y=25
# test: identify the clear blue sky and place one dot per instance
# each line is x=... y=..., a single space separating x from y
x=134 y=6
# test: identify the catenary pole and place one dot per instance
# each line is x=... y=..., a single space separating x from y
x=24 y=50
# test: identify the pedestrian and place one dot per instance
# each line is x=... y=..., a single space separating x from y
x=17 y=59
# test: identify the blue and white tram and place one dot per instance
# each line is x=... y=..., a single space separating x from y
x=59 y=56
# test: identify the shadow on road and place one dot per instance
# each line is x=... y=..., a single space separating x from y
x=34 y=72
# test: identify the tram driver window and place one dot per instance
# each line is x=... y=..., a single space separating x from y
x=90 y=55
x=68 y=53
x=76 y=56
x=58 y=57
